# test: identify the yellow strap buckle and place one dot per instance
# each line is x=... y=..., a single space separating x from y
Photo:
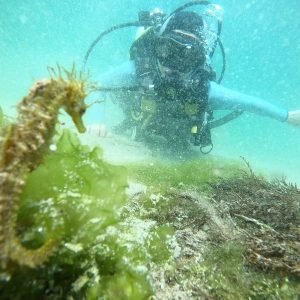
x=194 y=129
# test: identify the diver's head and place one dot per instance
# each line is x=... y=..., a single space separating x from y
x=179 y=45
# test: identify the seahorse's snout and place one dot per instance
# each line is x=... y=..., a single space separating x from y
x=80 y=127
x=76 y=112
x=77 y=119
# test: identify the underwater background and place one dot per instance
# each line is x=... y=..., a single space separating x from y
x=261 y=40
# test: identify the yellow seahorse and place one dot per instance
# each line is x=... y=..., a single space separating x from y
x=22 y=150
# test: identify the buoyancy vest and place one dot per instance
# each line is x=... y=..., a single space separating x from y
x=161 y=99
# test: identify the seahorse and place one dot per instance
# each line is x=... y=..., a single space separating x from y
x=22 y=150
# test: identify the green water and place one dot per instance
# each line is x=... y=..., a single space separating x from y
x=261 y=39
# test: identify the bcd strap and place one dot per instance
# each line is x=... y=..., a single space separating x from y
x=202 y=135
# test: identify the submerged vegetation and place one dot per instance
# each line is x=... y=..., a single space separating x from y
x=201 y=229
x=78 y=202
x=238 y=233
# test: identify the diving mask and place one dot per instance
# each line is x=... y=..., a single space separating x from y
x=180 y=51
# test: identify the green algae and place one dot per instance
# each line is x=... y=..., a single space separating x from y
x=180 y=236
x=77 y=189
x=77 y=198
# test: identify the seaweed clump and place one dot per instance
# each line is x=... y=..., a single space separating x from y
x=77 y=198
x=236 y=234
x=268 y=216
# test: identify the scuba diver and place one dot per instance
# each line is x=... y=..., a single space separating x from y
x=168 y=90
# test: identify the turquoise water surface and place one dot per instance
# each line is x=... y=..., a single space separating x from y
x=261 y=40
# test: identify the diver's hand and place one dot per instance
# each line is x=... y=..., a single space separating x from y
x=98 y=130
x=294 y=117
